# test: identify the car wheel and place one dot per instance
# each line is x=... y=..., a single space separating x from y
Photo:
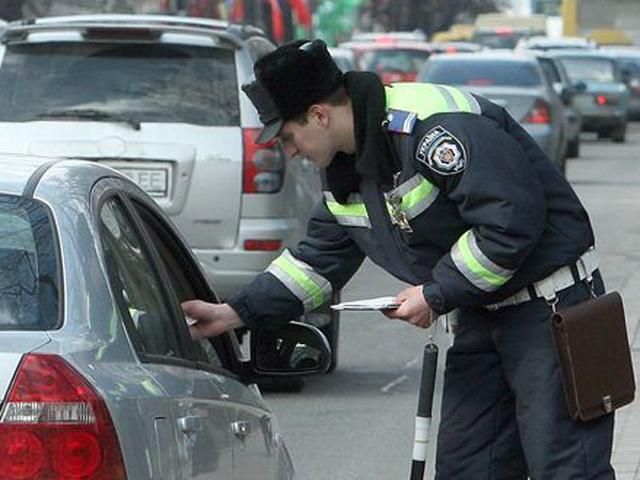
x=573 y=149
x=619 y=134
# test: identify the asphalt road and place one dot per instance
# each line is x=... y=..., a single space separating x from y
x=358 y=422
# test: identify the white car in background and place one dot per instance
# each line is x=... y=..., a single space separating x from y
x=158 y=98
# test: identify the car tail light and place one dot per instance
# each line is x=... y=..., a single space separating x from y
x=264 y=165
x=54 y=425
x=262 y=245
x=604 y=100
x=539 y=113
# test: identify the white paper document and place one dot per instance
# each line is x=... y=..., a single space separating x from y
x=380 y=303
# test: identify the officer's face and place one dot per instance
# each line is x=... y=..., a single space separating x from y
x=311 y=139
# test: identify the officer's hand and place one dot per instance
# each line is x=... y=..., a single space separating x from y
x=211 y=319
x=413 y=308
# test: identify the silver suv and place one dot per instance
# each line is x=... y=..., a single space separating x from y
x=159 y=99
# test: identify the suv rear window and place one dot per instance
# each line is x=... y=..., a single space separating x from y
x=482 y=73
x=590 y=69
x=142 y=82
x=28 y=266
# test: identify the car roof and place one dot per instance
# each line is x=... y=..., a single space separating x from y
x=487 y=55
x=583 y=53
x=163 y=23
x=19 y=170
x=388 y=44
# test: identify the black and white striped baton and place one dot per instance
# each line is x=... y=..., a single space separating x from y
x=423 y=416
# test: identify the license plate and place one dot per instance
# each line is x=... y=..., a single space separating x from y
x=154 y=181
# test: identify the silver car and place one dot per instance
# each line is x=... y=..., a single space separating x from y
x=99 y=377
x=604 y=99
x=159 y=98
x=514 y=81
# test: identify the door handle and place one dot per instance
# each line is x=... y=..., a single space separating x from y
x=241 y=428
x=191 y=424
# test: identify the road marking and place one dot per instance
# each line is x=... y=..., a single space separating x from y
x=411 y=363
x=390 y=385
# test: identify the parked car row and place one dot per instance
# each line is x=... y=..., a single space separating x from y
x=555 y=87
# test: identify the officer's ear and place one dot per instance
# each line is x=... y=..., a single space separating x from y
x=319 y=113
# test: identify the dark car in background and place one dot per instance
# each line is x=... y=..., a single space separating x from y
x=628 y=59
x=605 y=98
x=515 y=82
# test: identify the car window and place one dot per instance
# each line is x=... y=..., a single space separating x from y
x=396 y=60
x=29 y=290
x=631 y=64
x=179 y=270
x=590 y=69
x=550 y=70
x=154 y=82
x=482 y=73
x=135 y=284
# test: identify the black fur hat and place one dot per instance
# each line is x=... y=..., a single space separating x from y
x=289 y=80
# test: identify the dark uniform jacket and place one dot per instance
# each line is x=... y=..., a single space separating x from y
x=445 y=190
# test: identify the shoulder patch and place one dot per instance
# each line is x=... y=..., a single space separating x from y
x=442 y=152
x=401 y=121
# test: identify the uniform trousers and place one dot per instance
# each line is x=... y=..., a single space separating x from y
x=504 y=415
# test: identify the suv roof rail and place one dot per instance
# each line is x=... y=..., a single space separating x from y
x=245 y=31
x=235 y=34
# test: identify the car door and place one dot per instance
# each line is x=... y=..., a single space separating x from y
x=193 y=439
x=255 y=443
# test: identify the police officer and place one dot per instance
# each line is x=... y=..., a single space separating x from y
x=445 y=191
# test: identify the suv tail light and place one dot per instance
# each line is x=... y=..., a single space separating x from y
x=55 y=425
x=539 y=113
x=264 y=165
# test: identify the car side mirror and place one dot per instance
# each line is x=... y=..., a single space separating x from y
x=580 y=87
x=567 y=94
x=294 y=349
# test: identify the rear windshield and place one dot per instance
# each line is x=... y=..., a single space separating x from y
x=28 y=266
x=140 y=82
x=590 y=69
x=397 y=60
x=482 y=73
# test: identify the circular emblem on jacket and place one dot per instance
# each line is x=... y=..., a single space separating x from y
x=442 y=152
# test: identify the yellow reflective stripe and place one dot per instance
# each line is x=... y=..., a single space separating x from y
x=472 y=266
x=350 y=214
x=417 y=194
x=313 y=290
x=460 y=98
x=425 y=99
x=347 y=210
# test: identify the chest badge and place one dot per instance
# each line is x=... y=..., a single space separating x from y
x=398 y=216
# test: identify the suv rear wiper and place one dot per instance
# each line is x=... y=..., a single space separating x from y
x=90 y=114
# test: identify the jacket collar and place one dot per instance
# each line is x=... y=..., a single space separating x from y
x=373 y=158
